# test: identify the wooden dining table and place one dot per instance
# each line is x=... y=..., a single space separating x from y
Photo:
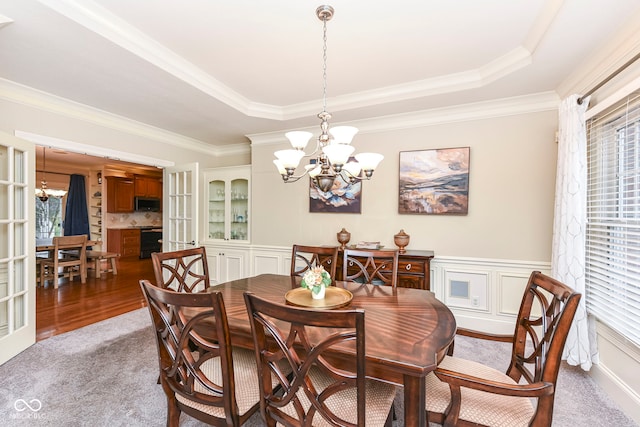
x=407 y=331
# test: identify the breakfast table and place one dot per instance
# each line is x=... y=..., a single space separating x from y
x=407 y=331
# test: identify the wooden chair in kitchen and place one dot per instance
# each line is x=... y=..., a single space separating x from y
x=182 y=271
x=289 y=346
x=378 y=267
x=69 y=259
x=304 y=258
x=201 y=374
x=464 y=393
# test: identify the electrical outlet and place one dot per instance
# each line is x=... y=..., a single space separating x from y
x=474 y=301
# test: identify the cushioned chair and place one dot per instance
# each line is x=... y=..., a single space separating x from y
x=305 y=257
x=69 y=259
x=464 y=393
x=213 y=382
x=289 y=343
x=182 y=271
x=378 y=267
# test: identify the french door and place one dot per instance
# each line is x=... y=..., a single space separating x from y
x=180 y=207
x=17 y=246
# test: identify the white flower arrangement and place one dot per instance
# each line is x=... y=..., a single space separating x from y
x=315 y=279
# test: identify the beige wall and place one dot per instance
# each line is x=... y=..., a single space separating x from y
x=512 y=178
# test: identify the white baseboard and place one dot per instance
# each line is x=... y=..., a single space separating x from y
x=618 y=390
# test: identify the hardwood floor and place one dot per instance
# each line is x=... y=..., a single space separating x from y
x=74 y=305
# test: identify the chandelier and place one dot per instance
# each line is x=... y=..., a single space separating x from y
x=43 y=196
x=333 y=150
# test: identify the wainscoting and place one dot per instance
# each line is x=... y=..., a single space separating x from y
x=483 y=293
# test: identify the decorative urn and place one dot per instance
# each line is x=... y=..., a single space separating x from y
x=401 y=240
x=343 y=238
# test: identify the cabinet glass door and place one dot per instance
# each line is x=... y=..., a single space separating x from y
x=239 y=209
x=217 y=221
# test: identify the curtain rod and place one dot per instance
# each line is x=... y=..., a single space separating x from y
x=611 y=76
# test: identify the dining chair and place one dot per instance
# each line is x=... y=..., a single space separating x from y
x=289 y=344
x=378 y=267
x=70 y=255
x=304 y=258
x=463 y=392
x=182 y=271
x=213 y=382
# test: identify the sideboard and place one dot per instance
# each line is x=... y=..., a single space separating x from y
x=413 y=269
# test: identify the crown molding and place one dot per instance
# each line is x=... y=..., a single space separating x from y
x=33 y=98
x=99 y=20
x=544 y=101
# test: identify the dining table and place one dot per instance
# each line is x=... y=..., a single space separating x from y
x=407 y=331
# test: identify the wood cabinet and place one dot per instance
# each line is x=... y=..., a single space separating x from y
x=124 y=241
x=119 y=194
x=146 y=186
x=414 y=269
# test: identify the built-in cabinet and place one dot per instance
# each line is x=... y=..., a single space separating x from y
x=227 y=263
x=119 y=194
x=146 y=186
x=95 y=205
x=228 y=204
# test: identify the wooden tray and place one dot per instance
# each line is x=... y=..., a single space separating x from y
x=333 y=298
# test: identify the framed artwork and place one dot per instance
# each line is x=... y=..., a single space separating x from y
x=343 y=197
x=434 y=182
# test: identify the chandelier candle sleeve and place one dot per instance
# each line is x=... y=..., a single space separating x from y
x=332 y=150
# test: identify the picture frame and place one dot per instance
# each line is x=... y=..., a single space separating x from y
x=434 y=182
x=343 y=197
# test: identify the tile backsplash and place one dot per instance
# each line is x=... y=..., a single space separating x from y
x=133 y=219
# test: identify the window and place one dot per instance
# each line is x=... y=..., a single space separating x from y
x=613 y=218
x=49 y=216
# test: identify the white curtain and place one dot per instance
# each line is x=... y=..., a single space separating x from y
x=570 y=224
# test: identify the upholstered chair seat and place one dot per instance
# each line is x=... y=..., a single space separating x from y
x=477 y=406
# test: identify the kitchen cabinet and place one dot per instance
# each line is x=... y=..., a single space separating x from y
x=228 y=204
x=227 y=263
x=124 y=241
x=146 y=186
x=119 y=194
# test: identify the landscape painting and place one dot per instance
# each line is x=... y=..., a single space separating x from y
x=342 y=197
x=434 y=182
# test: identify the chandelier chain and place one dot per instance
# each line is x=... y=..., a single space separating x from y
x=324 y=65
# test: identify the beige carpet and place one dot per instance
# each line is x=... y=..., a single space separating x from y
x=105 y=375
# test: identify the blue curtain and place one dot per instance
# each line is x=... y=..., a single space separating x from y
x=76 y=218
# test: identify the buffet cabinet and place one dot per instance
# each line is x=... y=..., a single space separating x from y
x=414 y=268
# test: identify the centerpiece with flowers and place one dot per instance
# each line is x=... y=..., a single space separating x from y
x=316 y=279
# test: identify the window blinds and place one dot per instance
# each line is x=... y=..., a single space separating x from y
x=613 y=217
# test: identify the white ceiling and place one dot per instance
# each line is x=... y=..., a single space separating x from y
x=216 y=71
